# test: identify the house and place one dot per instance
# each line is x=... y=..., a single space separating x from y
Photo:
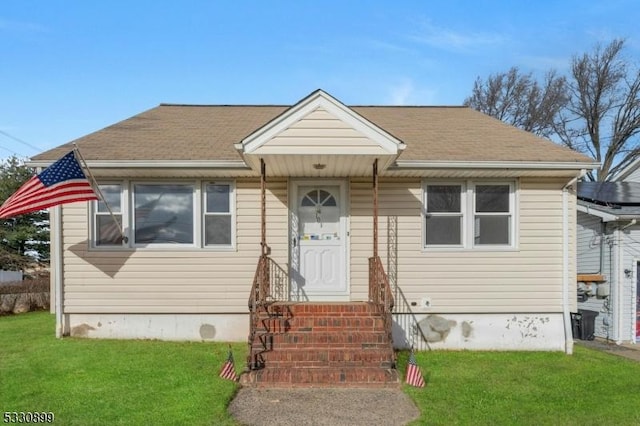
x=464 y=224
x=608 y=250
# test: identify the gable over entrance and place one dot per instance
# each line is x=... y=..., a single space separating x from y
x=319 y=136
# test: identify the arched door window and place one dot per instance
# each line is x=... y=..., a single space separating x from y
x=319 y=214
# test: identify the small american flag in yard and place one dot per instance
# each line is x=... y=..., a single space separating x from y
x=414 y=376
x=228 y=371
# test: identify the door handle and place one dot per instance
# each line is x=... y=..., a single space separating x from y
x=295 y=242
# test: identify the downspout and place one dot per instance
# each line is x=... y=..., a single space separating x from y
x=566 y=314
x=620 y=281
x=56 y=259
x=603 y=233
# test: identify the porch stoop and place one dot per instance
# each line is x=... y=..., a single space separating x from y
x=300 y=344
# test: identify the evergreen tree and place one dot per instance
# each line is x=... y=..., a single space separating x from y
x=24 y=238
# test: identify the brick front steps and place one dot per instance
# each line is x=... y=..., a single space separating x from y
x=322 y=344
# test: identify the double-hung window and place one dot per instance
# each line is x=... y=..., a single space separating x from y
x=493 y=215
x=160 y=214
x=107 y=224
x=469 y=215
x=218 y=215
x=444 y=215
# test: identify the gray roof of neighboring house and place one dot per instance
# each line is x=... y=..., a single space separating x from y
x=620 y=199
x=197 y=132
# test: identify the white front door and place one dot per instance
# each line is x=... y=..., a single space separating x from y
x=318 y=243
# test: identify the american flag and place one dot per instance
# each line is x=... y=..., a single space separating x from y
x=62 y=182
x=228 y=369
x=414 y=376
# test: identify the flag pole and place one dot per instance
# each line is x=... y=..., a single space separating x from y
x=96 y=187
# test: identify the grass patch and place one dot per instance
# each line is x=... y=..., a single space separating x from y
x=131 y=382
x=526 y=388
x=115 y=382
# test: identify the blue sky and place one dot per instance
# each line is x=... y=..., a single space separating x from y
x=69 y=68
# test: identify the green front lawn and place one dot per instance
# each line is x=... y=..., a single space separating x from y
x=111 y=382
x=86 y=381
x=527 y=388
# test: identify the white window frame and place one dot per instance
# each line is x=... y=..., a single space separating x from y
x=194 y=206
x=510 y=214
x=127 y=202
x=462 y=214
x=469 y=213
x=231 y=213
x=94 y=213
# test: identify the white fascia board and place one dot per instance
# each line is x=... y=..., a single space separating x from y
x=622 y=174
x=606 y=217
x=537 y=165
x=316 y=100
x=166 y=164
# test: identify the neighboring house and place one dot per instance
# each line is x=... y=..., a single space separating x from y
x=476 y=224
x=609 y=254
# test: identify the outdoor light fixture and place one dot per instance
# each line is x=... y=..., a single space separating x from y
x=319 y=166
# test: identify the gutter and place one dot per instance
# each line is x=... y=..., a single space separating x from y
x=554 y=165
x=150 y=164
x=566 y=314
x=606 y=217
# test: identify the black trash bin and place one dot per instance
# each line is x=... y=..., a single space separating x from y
x=575 y=324
x=583 y=324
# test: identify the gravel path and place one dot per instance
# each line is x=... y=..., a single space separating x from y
x=322 y=406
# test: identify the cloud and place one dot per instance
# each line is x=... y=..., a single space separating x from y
x=388 y=47
x=18 y=26
x=447 y=39
x=405 y=92
x=544 y=63
x=401 y=93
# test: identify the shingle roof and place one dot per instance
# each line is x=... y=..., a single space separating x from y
x=198 y=132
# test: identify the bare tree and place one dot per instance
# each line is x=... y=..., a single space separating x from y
x=518 y=99
x=602 y=118
x=595 y=111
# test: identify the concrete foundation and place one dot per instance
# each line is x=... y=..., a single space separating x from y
x=189 y=327
x=529 y=332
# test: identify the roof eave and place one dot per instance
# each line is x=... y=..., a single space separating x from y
x=153 y=164
x=542 y=165
x=587 y=208
x=593 y=210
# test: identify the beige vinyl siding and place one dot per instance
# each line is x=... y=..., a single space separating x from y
x=320 y=131
x=525 y=279
x=182 y=280
x=572 y=268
